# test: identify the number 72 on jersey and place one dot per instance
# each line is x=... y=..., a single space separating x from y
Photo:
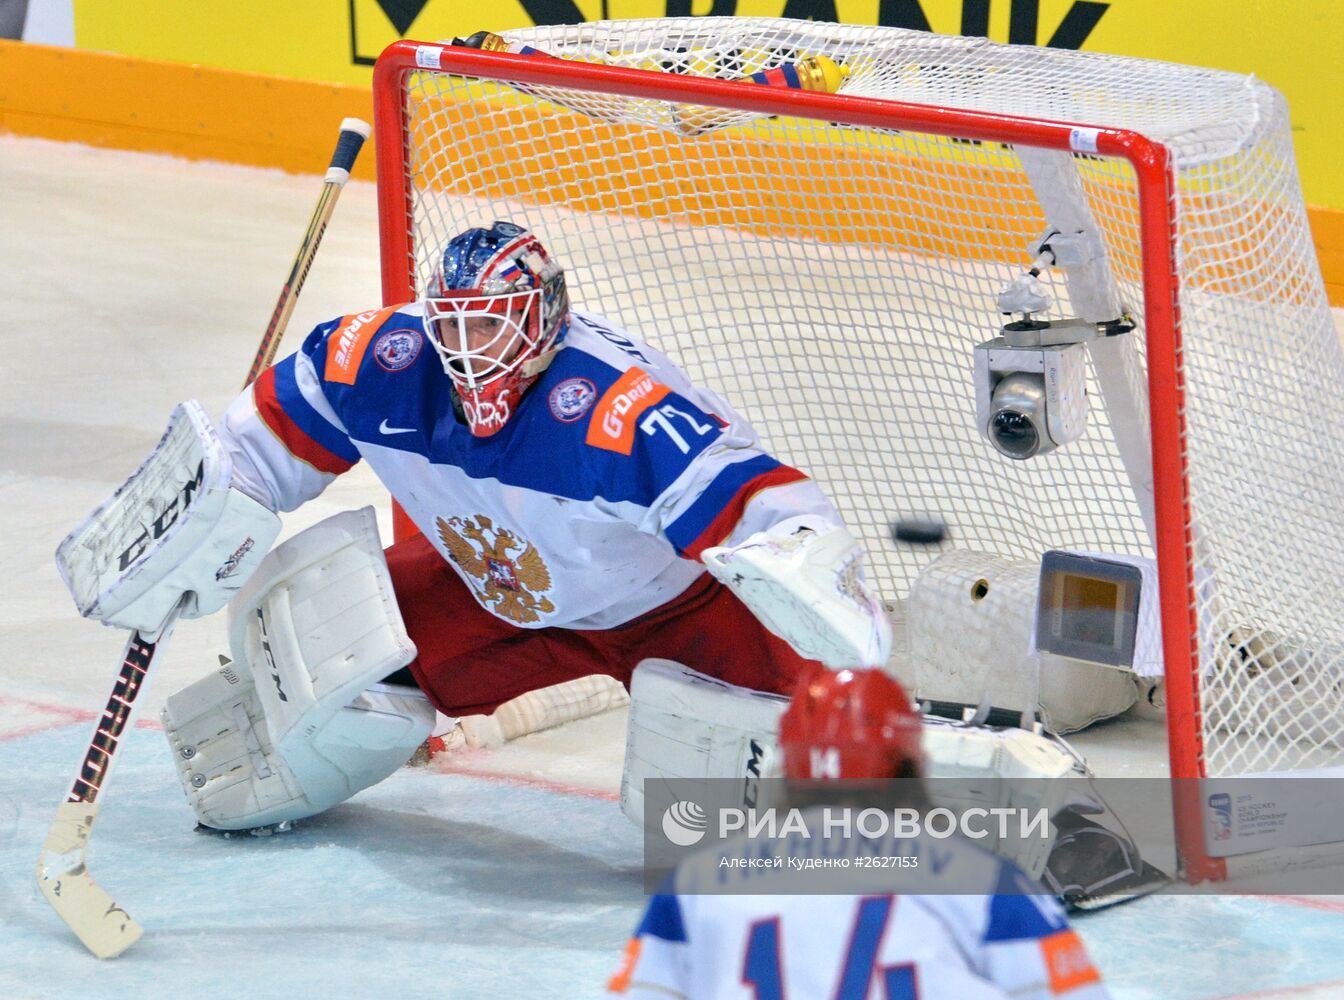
x=661 y=419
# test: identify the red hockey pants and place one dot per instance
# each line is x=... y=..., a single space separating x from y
x=471 y=661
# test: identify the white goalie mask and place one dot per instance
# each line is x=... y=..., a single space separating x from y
x=495 y=312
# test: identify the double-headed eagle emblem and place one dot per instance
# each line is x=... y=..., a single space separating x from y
x=503 y=583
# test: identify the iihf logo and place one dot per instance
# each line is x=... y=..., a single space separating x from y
x=684 y=823
x=397 y=349
x=1220 y=816
x=572 y=398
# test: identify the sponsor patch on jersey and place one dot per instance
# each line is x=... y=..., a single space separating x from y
x=613 y=424
x=1067 y=962
x=345 y=347
x=572 y=398
x=397 y=349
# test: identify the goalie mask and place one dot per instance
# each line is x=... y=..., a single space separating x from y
x=496 y=311
x=849 y=725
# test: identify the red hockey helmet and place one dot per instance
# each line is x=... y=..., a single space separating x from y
x=849 y=725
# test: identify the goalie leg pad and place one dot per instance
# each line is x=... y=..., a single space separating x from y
x=233 y=775
x=1002 y=768
x=685 y=724
x=318 y=624
x=314 y=629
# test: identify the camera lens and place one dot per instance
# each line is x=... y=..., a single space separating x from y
x=1017 y=422
x=1014 y=434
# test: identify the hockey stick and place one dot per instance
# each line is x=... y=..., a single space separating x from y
x=353 y=134
x=62 y=873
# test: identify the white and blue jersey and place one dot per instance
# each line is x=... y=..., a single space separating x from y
x=589 y=508
x=1005 y=943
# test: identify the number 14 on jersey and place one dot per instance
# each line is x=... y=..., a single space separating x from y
x=762 y=967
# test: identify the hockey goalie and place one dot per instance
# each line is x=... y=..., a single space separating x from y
x=582 y=507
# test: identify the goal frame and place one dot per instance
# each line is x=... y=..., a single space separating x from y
x=1152 y=165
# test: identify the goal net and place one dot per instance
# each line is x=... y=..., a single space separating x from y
x=828 y=263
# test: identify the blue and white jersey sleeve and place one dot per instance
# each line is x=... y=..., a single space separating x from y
x=657 y=959
x=707 y=479
x=286 y=442
x=1021 y=941
x=732 y=490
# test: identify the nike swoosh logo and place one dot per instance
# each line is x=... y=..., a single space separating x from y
x=384 y=429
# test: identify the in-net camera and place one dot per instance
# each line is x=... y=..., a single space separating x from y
x=1031 y=381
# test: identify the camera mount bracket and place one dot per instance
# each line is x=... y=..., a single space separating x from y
x=1033 y=333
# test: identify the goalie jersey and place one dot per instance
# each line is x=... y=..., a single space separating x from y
x=591 y=505
x=950 y=945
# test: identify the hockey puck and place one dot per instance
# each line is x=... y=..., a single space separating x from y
x=919 y=531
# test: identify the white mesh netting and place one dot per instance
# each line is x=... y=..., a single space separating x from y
x=831 y=281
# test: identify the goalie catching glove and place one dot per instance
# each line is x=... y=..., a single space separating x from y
x=803 y=579
x=174 y=527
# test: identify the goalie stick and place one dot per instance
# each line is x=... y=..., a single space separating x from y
x=62 y=873
x=353 y=134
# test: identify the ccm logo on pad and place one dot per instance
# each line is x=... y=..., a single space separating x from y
x=612 y=426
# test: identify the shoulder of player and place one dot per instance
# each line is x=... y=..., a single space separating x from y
x=983 y=899
x=586 y=372
x=1015 y=907
x=561 y=404
x=602 y=398
x=600 y=338
x=362 y=346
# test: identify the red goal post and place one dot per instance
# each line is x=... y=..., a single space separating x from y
x=1155 y=188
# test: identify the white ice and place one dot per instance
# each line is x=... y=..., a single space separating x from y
x=130 y=281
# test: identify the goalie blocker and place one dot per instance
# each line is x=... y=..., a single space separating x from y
x=175 y=527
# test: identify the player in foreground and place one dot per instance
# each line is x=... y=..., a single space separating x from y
x=572 y=487
x=844 y=731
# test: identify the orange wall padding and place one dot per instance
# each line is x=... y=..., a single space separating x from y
x=200 y=112
x=164 y=107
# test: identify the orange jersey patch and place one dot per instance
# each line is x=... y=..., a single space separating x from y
x=1067 y=962
x=345 y=347
x=620 y=982
x=612 y=425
